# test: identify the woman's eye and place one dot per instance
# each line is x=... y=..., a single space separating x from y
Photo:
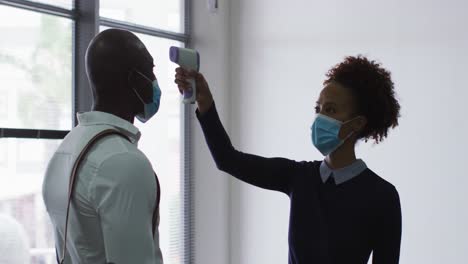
x=330 y=110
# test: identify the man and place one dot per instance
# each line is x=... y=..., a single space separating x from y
x=115 y=193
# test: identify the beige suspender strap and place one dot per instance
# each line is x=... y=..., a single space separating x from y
x=74 y=172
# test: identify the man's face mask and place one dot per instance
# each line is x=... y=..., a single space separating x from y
x=151 y=108
x=325 y=134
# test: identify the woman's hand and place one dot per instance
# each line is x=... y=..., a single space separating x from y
x=203 y=97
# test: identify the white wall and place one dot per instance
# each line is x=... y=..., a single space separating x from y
x=211 y=39
x=280 y=53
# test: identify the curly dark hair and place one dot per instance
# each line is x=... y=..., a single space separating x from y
x=373 y=89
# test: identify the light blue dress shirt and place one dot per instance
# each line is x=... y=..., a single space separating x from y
x=344 y=174
x=115 y=195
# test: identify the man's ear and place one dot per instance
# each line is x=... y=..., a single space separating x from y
x=131 y=79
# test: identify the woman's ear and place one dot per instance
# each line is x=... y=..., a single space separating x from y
x=355 y=126
x=359 y=123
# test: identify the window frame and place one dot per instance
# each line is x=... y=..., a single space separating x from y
x=86 y=23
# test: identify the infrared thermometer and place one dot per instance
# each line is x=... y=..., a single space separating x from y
x=188 y=59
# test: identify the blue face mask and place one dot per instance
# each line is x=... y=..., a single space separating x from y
x=325 y=134
x=151 y=108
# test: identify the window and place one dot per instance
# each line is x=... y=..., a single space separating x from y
x=160 y=141
x=60 y=3
x=162 y=14
x=42 y=86
x=22 y=163
x=35 y=70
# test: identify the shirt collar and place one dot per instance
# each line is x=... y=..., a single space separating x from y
x=102 y=118
x=344 y=174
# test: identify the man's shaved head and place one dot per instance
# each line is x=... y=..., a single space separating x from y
x=113 y=53
x=112 y=59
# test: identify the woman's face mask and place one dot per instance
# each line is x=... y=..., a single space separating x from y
x=325 y=134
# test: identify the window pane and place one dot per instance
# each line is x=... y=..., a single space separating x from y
x=22 y=167
x=162 y=14
x=68 y=4
x=35 y=70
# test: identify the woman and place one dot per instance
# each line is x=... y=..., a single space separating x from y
x=341 y=211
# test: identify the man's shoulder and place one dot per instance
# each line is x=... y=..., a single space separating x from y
x=112 y=156
x=112 y=145
x=133 y=162
x=102 y=150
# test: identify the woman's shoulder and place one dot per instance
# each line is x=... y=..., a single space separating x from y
x=307 y=171
x=311 y=163
x=378 y=180
x=312 y=166
x=381 y=186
